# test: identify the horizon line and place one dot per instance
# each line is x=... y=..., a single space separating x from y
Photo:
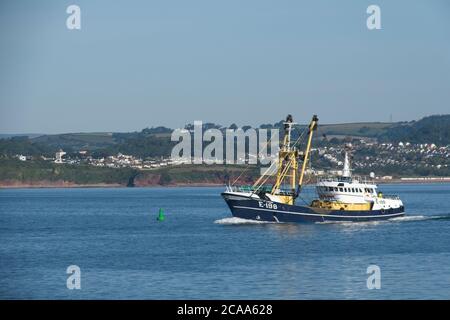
x=163 y=126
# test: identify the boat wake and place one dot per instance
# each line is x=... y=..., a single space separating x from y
x=235 y=220
x=412 y=218
x=420 y=218
x=240 y=221
x=352 y=223
x=398 y=219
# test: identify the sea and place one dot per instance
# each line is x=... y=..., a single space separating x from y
x=106 y=243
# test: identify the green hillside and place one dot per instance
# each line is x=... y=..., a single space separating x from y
x=155 y=142
x=77 y=141
x=432 y=129
x=31 y=172
x=362 y=129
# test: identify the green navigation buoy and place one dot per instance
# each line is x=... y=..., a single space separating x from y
x=160 y=215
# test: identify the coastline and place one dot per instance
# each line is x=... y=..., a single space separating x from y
x=416 y=180
x=69 y=185
x=38 y=185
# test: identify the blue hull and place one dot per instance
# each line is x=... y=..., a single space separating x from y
x=262 y=210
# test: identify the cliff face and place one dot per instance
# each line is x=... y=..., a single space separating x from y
x=194 y=178
x=44 y=174
x=146 y=180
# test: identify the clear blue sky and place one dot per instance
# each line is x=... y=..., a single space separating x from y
x=136 y=64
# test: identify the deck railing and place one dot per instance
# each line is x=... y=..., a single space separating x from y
x=266 y=189
x=248 y=188
x=357 y=179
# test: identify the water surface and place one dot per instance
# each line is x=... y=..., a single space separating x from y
x=199 y=252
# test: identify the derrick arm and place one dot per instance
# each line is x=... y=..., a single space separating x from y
x=312 y=128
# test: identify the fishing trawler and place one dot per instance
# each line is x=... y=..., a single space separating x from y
x=344 y=198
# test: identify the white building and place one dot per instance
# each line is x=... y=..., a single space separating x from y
x=59 y=156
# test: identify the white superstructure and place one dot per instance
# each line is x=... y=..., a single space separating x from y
x=354 y=190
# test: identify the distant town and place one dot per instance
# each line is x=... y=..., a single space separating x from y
x=403 y=151
x=368 y=156
x=117 y=161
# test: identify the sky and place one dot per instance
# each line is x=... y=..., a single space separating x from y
x=137 y=64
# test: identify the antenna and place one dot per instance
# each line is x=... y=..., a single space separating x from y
x=347 y=172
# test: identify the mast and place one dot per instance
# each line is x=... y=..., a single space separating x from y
x=312 y=128
x=287 y=160
x=287 y=166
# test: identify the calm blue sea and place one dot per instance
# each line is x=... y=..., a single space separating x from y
x=199 y=252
